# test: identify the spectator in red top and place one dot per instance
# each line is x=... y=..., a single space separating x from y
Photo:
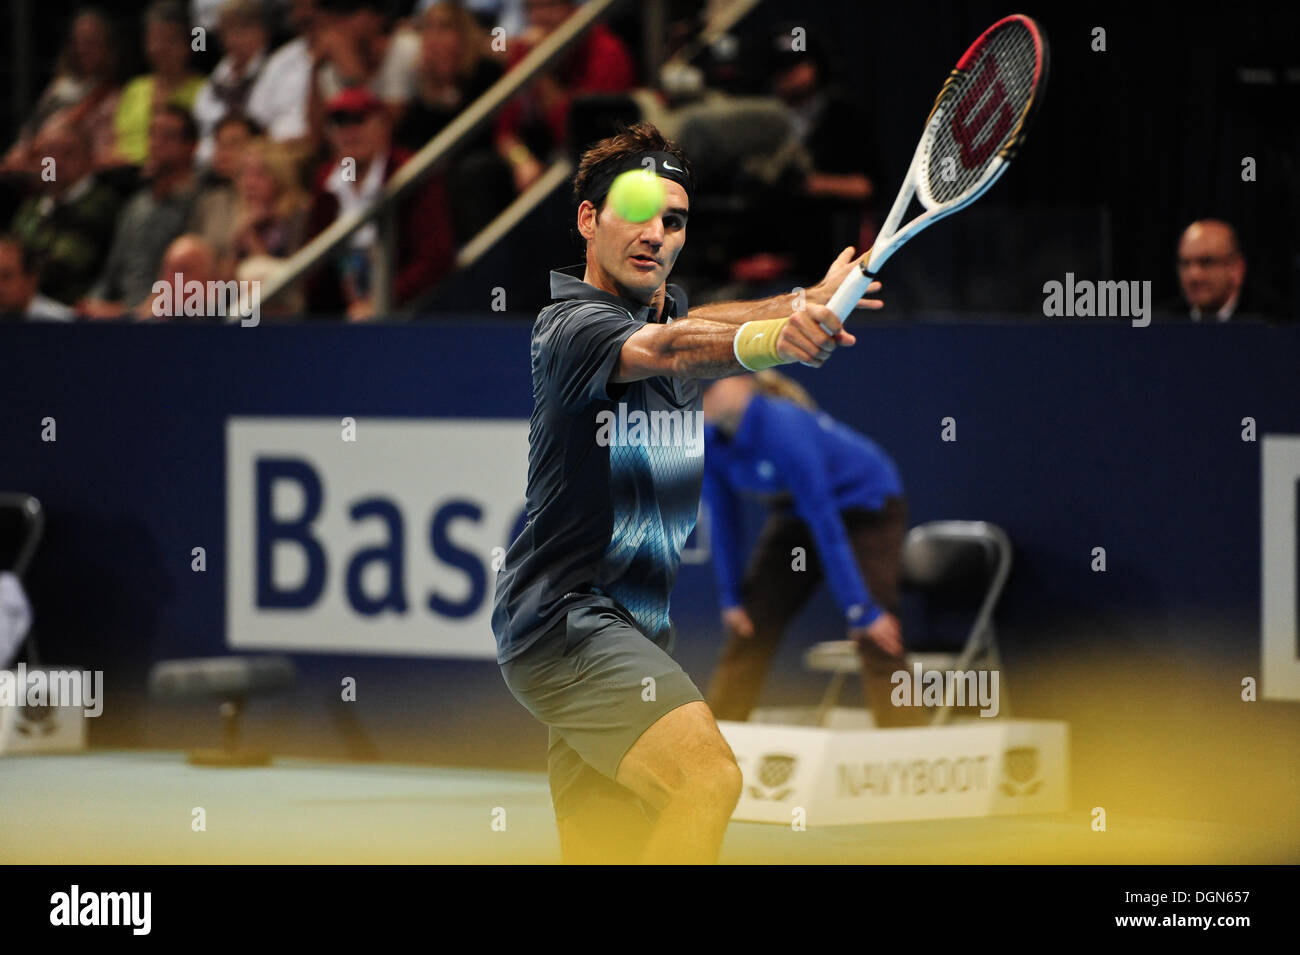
x=535 y=123
x=364 y=158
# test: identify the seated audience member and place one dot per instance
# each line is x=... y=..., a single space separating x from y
x=190 y=262
x=68 y=222
x=281 y=95
x=214 y=207
x=509 y=15
x=244 y=37
x=270 y=213
x=167 y=48
x=1212 y=276
x=364 y=158
x=535 y=123
x=86 y=89
x=454 y=72
x=355 y=46
x=19 y=299
x=155 y=215
x=231 y=136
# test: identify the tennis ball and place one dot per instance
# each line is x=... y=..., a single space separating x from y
x=637 y=195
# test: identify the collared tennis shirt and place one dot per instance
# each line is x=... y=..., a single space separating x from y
x=614 y=473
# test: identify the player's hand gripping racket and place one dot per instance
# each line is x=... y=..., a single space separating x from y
x=975 y=127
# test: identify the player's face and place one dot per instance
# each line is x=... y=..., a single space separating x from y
x=637 y=256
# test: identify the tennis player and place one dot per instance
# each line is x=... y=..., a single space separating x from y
x=638 y=769
x=836 y=509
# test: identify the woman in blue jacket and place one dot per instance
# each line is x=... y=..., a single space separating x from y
x=836 y=509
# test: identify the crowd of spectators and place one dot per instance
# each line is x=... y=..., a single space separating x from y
x=253 y=125
x=306 y=110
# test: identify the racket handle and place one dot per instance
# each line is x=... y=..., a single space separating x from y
x=846 y=296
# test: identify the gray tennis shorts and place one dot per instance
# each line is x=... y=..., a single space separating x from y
x=589 y=680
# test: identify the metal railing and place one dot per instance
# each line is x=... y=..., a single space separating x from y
x=424 y=162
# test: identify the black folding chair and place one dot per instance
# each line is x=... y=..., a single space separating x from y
x=954 y=567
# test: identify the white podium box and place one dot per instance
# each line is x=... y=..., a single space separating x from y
x=837 y=718
x=853 y=776
x=40 y=729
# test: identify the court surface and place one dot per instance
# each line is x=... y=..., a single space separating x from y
x=137 y=806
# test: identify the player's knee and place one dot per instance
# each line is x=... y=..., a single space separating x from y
x=730 y=783
x=714 y=781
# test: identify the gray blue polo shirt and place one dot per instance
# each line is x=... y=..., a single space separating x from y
x=614 y=473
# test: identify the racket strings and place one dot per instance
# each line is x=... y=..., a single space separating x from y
x=979 y=113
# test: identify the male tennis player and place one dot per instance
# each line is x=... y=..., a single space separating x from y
x=638 y=769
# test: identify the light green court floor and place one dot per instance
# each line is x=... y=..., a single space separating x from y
x=140 y=807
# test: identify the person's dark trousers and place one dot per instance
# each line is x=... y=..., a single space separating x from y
x=774 y=591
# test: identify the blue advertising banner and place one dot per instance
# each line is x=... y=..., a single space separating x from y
x=204 y=495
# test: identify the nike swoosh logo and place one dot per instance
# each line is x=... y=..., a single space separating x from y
x=668 y=165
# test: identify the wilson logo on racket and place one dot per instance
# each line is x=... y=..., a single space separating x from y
x=965 y=127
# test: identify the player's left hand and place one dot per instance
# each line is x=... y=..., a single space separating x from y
x=821 y=292
x=812 y=335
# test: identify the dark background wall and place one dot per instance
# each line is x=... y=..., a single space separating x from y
x=1130 y=146
x=1070 y=436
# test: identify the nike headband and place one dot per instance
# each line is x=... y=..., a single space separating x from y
x=665 y=164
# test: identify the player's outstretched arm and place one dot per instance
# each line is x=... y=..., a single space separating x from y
x=698 y=348
x=778 y=306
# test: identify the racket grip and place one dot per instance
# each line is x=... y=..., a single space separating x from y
x=846 y=296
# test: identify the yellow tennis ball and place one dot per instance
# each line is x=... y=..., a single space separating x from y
x=637 y=195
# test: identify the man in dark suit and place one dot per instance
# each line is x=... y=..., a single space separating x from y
x=1212 y=275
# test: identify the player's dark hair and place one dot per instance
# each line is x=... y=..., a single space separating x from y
x=640 y=137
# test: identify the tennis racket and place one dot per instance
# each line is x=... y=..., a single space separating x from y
x=974 y=129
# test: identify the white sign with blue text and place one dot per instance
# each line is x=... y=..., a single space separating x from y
x=369 y=535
